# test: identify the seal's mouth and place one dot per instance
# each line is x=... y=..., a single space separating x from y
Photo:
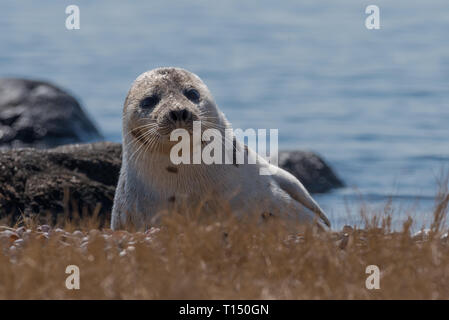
x=180 y=118
x=160 y=136
x=166 y=130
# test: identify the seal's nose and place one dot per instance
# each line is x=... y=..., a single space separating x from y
x=180 y=115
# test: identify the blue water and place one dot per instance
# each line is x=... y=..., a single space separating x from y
x=374 y=103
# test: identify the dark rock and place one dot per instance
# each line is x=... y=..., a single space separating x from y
x=79 y=177
x=40 y=115
x=311 y=170
x=66 y=179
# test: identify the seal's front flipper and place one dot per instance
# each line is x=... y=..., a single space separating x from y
x=297 y=191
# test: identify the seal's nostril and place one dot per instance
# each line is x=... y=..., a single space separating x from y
x=173 y=115
x=184 y=114
x=179 y=115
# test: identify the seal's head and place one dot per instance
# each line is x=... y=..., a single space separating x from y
x=165 y=99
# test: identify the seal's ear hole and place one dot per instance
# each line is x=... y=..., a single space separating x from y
x=192 y=94
x=150 y=102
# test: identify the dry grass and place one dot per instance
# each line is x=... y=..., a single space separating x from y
x=224 y=258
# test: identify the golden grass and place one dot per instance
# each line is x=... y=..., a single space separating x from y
x=222 y=257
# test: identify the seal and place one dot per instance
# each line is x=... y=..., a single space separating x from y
x=166 y=99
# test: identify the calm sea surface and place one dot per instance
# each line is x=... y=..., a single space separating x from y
x=374 y=103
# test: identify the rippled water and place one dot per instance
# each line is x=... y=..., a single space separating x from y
x=374 y=103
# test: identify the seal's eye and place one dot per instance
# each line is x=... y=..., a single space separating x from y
x=149 y=102
x=192 y=94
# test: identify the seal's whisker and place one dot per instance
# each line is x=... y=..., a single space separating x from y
x=145 y=133
x=213 y=120
x=210 y=125
x=146 y=143
x=153 y=179
x=145 y=126
x=153 y=141
x=143 y=137
x=206 y=121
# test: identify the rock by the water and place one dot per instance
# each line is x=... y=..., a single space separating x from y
x=38 y=114
x=64 y=179
x=82 y=176
x=311 y=170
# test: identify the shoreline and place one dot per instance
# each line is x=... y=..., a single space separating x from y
x=224 y=258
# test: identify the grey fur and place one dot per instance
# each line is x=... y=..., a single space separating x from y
x=147 y=187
